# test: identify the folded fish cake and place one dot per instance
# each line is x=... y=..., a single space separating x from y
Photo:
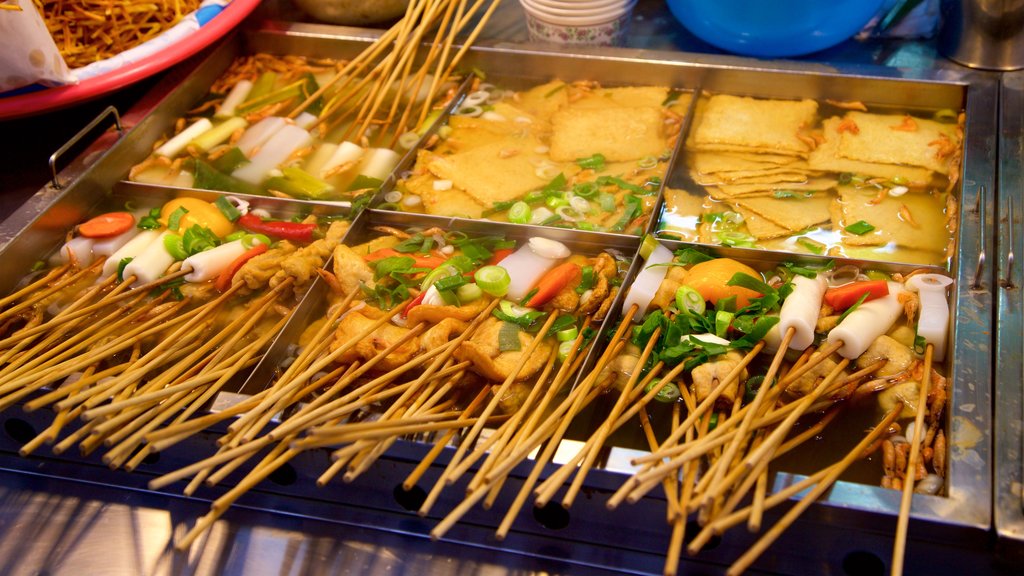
x=898 y=139
x=915 y=220
x=495 y=172
x=794 y=214
x=741 y=123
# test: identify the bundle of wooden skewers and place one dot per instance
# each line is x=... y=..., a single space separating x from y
x=355 y=386
x=134 y=340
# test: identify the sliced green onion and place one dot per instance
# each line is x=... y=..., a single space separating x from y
x=568 y=334
x=667 y=393
x=587 y=280
x=120 y=268
x=236 y=235
x=877 y=275
x=519 y=213
x=722 y=321
x=468 y=293
x=175 y=247
x=554 y=202
x=174 y=220
x=437 y=274
x=900 y=180
x=595 y=162
x=514 y=310
x=647 y=162
x=250 y=240
x=449 y=283
x=859 y=228
x=565 y=348
x=690 y=300
x=508 y=337
x=736 y=239
x=713 y=422
x=493 y=280
x=811 y=244
x=647 y=247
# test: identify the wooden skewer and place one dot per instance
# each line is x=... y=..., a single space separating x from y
x=439 y=446
x=605 y=429
x=903 y=521
x=609 y=424
x=57 y=286
x=632 y=486
x=447 y=475
x=569 y=367
x=35 y=285
x=566 y=411
x=497 y=442
x=769 y=537
x=717 y=486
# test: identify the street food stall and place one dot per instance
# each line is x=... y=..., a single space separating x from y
x=359 y=300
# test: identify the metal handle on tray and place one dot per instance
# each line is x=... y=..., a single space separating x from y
x=81 y=134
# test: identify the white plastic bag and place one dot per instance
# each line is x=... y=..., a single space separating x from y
x=28 y=53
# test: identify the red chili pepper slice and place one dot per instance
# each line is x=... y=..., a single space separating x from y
x=223 y=281
x=294 y=231
x=415 y=302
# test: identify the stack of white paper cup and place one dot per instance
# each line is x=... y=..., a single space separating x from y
x=580 y=22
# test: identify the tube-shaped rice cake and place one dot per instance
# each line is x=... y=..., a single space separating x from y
x=800 y=310
x=933 y=324
x=209 y=264
x=131 y=249
x=869 y=321
x=151 y=263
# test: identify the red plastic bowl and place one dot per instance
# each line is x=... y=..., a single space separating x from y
x=63 y=96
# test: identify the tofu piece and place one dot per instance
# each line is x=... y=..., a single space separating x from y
x=451 y=202
x=628 y=96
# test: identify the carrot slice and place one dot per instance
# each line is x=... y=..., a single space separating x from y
x=554 y=282
x=223 y=281
x=847 y=295
x=107 y=225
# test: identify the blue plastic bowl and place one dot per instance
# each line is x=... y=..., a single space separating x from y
x=772 y=29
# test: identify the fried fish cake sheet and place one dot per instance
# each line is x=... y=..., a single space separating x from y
x=496 y=172
x=619 y=133
x=826 y=158
x=889 y=139
x=794 y=214
x=745 y=124
x=915 y=220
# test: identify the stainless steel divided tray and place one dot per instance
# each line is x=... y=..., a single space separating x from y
x=945 y=528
